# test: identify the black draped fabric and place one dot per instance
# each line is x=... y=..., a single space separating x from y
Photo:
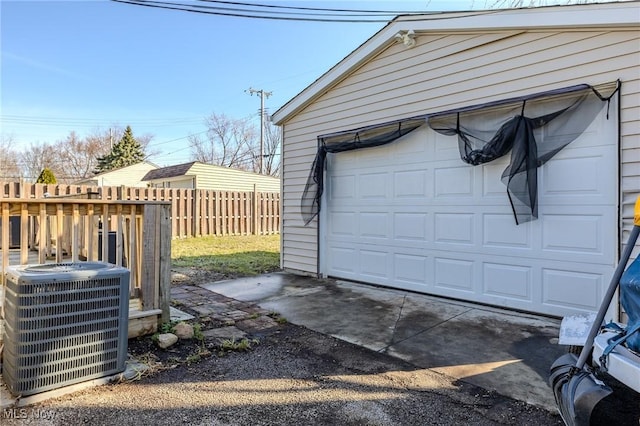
x=533 y=128
x=365 y=137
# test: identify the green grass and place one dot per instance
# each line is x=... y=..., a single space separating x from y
x=238 y=255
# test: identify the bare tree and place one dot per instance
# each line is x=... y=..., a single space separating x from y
x=9 y=167
x=71 y=159
x=40 y=156
x=79 y=156
x=229 y=142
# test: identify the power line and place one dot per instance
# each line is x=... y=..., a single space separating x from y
x=177 y=139
x=262 y=14
x=322 y=9
x=274 y=12
x=248 y=13
x=85 y=122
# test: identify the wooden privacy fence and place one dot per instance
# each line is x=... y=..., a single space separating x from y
x=194 y=212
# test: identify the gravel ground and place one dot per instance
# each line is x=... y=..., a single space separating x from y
x=293 y=376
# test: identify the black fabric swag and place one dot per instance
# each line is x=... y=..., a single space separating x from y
x=533 y=128
x=365 y=137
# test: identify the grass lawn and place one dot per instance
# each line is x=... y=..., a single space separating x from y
x=238 y=255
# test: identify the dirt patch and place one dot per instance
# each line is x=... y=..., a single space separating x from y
x=191 y=351
x=196 y=276
x=221 y=325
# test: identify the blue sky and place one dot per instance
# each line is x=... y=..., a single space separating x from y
x=87 y=65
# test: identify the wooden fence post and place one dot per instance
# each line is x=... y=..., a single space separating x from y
x=216 y=212
x=254 y=210
x=163 y=228
x=174 y=213
x=24 y=233
x=148 y=259
x=195 y=210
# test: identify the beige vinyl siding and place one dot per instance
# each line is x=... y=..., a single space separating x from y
x=228 y=179
x=630 y=147
x=446 y=71
x=125 y=176
x=184 y=182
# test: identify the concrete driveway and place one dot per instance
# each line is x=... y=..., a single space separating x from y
x=499 y=350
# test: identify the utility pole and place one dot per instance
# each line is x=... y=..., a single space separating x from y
x=262 y=95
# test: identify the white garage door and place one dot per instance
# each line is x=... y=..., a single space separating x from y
x=412 y=215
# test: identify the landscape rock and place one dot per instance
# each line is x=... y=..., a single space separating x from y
x=183 y=330
x=225 y=333
x=167 y=339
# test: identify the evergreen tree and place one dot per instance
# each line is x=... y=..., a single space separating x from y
x=126 y=152
x=46 y=176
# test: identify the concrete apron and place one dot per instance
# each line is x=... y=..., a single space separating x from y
x=499 y=350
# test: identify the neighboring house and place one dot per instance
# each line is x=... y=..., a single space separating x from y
x=412 y=215
x=197 y=175
x=124 y=176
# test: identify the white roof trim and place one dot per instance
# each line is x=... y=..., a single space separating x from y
x=620 y=14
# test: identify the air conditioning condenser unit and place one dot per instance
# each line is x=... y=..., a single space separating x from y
x=65 y=323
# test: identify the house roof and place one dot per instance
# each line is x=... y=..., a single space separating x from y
x=122 y=168
x=570 y=16
x=169 y=171
x=95 y=178
x=185 y=168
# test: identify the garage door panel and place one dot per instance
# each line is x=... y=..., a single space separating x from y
x=565 y=180
x=412 y=147
x=454 y=275
x=454 y=182
x=501 y=232
x=343 y=260
x=578 y=234
x=445 y=147
x=412 y=183
x=411 y=269
x=411 y=227
x=412 y=215
x=374 y=225
x=454 y=228
x=343 y=223
x=573 y=234
x=374 y=264
x=342 y=187
x=505 y=280
x=373 y=186
x=584 y=172
x=372 y=157
x=563 y=288
x=591 y=136
x=570 y=175
x=492 y=185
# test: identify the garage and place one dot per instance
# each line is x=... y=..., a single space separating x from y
x=423 y=212
x=412 y=215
